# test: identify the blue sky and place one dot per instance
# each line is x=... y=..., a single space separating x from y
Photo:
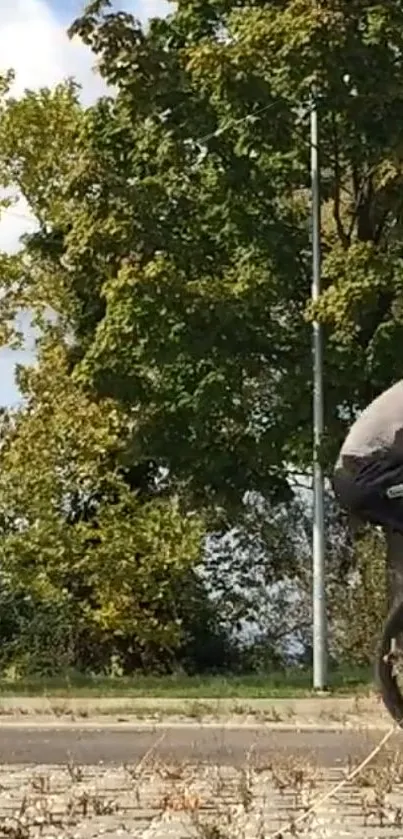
x=43 y=23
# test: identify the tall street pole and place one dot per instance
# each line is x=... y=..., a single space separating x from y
x=318 y=535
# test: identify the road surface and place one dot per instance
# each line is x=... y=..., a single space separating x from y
x=217 y=745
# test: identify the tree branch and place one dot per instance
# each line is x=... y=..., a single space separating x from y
x=343 y=236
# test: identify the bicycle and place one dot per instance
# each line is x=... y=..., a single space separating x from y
x=389 y=664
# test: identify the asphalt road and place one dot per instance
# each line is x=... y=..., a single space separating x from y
x=51 y=746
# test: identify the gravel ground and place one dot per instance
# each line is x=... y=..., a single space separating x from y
x=153 y=798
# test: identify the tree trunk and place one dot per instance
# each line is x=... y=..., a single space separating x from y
x=394 y=567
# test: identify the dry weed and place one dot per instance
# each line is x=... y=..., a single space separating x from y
x=76 y=772
x=298 y=774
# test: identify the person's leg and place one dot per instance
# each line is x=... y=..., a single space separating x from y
x=372 y=495
x=394 y=566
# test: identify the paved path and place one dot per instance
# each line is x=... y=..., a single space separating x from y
x=215 y=744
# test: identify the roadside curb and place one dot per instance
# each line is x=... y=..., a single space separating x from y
x=137 y=725
x=309 y=713
x=300 y=704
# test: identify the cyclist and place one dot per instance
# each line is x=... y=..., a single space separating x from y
x=368 y=482
x=368 y=477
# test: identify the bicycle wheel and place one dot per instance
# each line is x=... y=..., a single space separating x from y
x=389 y=664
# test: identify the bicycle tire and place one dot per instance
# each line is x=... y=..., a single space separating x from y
x=385 y=677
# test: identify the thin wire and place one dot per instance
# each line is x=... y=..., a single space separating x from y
x=232 y=122
x=251 y=117
x=197 y=142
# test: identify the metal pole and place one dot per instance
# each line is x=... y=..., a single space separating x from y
x=319 y=602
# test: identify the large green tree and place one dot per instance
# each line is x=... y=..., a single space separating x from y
x=173 y=243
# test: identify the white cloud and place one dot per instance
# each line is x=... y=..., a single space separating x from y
x=14 y=223
x=34 y=43
x=144 y=9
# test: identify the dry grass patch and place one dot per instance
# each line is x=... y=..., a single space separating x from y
x=259 y=799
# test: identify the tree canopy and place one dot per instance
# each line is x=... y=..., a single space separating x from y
x=169 y=281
